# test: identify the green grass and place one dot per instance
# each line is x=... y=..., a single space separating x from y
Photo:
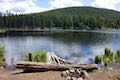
x=117 y=56
x=97 y=59
x=2 y=53
x=38 y=56
x=108 y=57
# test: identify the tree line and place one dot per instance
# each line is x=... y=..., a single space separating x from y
x=60 y=20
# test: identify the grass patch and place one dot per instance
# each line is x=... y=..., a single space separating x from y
x=108 y=57
x=2 y=54
x=117 y=56
x=97 y=59
x=38 y=56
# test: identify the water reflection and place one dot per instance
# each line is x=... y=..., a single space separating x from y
x=78 y=47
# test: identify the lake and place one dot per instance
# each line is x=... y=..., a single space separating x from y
x=76 y=46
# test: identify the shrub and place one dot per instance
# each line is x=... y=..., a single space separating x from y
x=107 y=51
x=107 y=61
x=107 y=57
x=97 y=59
x=1 y=53
x=118 y=53
x=40 y=56
x=117 y=59
x=110 y=56
x=117 y=56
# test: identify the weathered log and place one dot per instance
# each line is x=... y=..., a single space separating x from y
x=38 y=66
x=53 y=59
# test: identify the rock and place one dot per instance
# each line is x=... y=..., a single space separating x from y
x=64 y=74
x=76 y=74
x=2 y=67
x=67 y=72
x=78 y=71
x=68 y=78
x=85 y=75
x=72 y=70
x=74 y=78
x=80 y=78
x=110 y=68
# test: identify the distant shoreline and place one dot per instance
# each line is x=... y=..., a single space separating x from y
x=39 y=31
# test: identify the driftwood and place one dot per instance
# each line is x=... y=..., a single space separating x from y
x=53 y=59
x=53 y=63
x=38 y=66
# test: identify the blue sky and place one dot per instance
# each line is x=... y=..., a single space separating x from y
x=32 y=6
x=43 y=3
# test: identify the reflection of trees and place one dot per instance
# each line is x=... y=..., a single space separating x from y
x=82 y=37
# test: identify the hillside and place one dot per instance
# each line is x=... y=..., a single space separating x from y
x=65 y=18
x=84 y=11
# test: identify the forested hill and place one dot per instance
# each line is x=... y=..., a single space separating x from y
x=65 y=18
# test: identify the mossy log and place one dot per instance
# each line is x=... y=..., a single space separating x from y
x=38 y=66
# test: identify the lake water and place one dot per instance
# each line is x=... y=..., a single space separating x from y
x=78 y=47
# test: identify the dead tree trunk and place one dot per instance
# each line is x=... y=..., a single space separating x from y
x=37 y=66
x=30 y=56
x=53 y=59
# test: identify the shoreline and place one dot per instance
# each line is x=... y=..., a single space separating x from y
x=106 y=74
x=25 y=32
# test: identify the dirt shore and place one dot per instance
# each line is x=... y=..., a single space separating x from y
x=108 y=74
x=19 y=75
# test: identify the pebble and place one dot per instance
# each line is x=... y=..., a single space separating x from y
x=2 y=67
x=74 y=78
x=68 y=78
x=80 y=78
x=72 y=70
x=75 y=74
x=110 y=68
x=67 y=72
x=64 y=74
x=78 y=71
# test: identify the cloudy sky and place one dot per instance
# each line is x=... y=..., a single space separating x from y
x=31 y=6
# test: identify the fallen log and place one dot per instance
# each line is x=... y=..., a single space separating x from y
x=39 y=66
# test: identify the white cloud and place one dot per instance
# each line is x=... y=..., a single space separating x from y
x=109 y=4
x=65 y=3
x=28 y=6
x=20 y=6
